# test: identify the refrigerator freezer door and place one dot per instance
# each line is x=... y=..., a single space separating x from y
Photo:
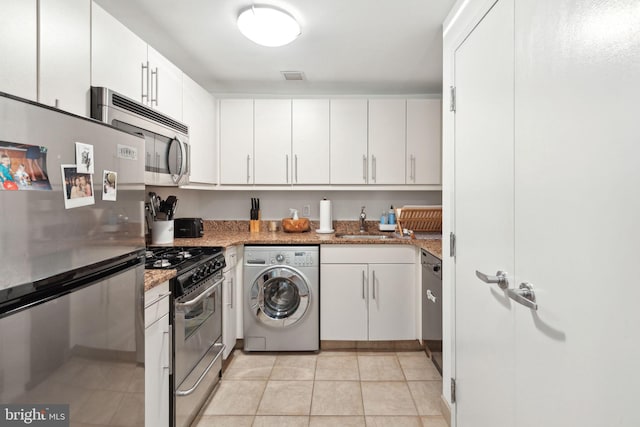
x=39 y=237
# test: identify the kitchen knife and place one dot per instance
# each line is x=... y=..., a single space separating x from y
x=152 y=206
x=169 y=206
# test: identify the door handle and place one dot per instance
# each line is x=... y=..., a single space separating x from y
x=287 y=165
x=524 y=295
x=500 y=278
x=296 y=166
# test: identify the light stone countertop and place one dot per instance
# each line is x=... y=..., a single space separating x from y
x=153 y=278
x=232 y=238
x=227 y=238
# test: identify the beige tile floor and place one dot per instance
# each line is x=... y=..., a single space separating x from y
x=331 y=388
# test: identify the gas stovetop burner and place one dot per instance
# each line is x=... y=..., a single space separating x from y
x=162 y=263
x=179 y=258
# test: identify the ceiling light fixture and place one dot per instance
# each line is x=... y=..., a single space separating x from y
x=268 y=26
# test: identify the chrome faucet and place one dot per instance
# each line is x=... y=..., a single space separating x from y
x=363 y=216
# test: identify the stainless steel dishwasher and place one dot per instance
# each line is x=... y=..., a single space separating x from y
x=432 y=306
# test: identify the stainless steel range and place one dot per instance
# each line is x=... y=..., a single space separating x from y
x=197 y=324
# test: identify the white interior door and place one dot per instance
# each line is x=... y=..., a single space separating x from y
x=483 y=202
x=577 y=211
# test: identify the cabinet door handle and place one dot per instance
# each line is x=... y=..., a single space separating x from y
x=373 y=284
x=144 y=70
x=248 y=166
x=412 y=174
x=154 y=100
x=364 y=168
x=232 y=292
x=363 y=284
x=373 y=166
x=295 y=158
x=287 y=164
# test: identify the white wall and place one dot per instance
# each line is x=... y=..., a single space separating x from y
x=275 y=205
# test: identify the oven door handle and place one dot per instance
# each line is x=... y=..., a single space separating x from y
x=200 y=297
x=204 y=374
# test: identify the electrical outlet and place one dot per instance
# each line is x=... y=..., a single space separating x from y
x=306 y=211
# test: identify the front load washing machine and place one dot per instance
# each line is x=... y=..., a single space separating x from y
x=281 y=296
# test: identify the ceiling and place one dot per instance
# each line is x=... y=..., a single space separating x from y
x=346 y=46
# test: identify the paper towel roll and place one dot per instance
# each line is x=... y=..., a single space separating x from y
x=325 y=216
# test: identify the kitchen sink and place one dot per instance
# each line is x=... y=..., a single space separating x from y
x=363 y=236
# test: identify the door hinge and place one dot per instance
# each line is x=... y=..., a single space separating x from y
x=452 y=101
x=452 y=244
x=453 y=390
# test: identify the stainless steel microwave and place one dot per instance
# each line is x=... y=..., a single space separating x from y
x=167 y=151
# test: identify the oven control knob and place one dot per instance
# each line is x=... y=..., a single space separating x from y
x=279 y=257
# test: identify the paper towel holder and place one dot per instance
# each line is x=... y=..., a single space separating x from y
x=326 y=220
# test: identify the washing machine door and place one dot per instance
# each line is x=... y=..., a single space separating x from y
x=280 y=297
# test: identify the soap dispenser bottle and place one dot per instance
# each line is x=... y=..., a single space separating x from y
x=392 y=215
x=383 y=218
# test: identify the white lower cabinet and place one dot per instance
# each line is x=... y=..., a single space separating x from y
x=157 y=359
x=368 y=293
x=230 y=293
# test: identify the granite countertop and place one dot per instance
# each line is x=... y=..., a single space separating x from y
x=232 y=233
x=232 y=238
x=153 y=278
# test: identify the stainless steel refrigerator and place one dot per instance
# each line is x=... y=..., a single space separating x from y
x=71 y=267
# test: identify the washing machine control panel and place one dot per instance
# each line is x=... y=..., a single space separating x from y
x=294 y=258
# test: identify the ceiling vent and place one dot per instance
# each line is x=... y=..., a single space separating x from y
x=292 y=75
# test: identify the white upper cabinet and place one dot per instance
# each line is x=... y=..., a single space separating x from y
x=18 y=48
x=65 y=55
x=388 y=141
x=199 y=113
x=424 y=141
x=272 y=128
x=117 y=57
x=310 y=147
x=387 y=136
x=348 y=141
x=45 y=47
x=122 y=61
x=165 y=85
x=236 y=141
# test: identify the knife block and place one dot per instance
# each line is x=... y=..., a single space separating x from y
x=254 y=226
